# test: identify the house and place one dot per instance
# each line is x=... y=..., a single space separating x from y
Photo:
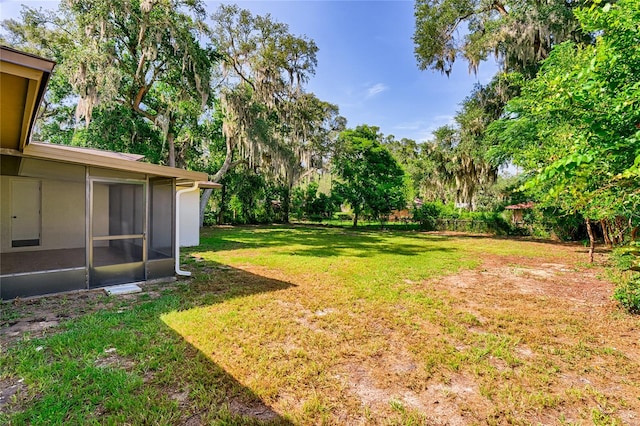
x=517 y=215
x=75 y=218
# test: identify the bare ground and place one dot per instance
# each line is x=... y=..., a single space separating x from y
x=563 y=317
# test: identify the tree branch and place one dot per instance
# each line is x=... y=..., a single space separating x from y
x=242 y=76
x=136 y=105
x=497 y=5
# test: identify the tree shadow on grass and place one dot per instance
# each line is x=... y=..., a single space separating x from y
x=369 y=250
x=116 y=361
x=317 y=242
x=215 y=283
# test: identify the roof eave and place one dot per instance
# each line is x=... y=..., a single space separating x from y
x=59 y=153
x=36 y=71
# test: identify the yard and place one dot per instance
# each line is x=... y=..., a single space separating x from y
x=304 y=325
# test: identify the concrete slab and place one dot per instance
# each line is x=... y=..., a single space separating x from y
x=122 y=289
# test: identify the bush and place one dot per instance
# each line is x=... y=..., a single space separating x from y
x=625 y=258
x=427 y=215
x=628 y=294
x=434 y=216
x=210 y=218
x=309 y=203
x=626 y=261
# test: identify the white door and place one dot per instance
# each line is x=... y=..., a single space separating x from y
x=25 y=213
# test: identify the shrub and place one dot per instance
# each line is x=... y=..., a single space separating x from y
x=210 y=218
x=626 y=262
x=627 y=294
x=427 y=215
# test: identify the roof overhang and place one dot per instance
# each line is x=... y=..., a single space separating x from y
x=209 y=185
x=23 y=80
x=107 y=159
x=521 y=206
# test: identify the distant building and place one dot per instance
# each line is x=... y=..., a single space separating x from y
x=517 y=217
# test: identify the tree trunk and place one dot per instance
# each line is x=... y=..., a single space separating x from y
x=204 y=202
x=621 y=228
x=500 y=8
x=355 y=219
x=286 y=204
x=605 y=232
x=592 y=241
x=206 y=194
x=172 y=150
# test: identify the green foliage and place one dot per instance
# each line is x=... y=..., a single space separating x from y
x=123 y=54
x=309 y=203
x=627 y=294
x=268 y=116
x=627 y=257
x=555 y=224
x=147 y=77
x=433 y=216
x=626 y=272
x=574 y=128
x=343 y=216
x=371 y=180
x=427 y=215
x=518 y=33
x=248 y=197
x=452 y=167
x=120 y=129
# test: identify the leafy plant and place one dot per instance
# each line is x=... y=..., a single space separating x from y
x=573 y=129
x=310 y=203
x=427 y=215
x=626 y=263
x=628 y=294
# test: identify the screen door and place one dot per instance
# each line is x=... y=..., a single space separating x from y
x=117 y=251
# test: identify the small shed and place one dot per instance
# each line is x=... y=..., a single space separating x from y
x=74 y=218
x=517 y=217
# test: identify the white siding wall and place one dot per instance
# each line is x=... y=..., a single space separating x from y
x=189 y=218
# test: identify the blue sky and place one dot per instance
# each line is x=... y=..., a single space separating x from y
x=366 y=63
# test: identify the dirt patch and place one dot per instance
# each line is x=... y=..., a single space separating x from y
x=568 y=350
x=565 y=319
x=455 y=403
x=111 y=359
x=10 y=390
x=39 y=316
x=254 y=409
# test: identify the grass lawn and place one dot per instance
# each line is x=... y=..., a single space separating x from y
x=304 y=325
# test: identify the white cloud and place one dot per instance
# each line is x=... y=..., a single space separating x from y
x=375 y=89
x=422 y=130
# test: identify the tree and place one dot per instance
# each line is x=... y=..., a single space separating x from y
x=574 y=129
x=267 y=116
x=406 y=152
x=309 y=203
x=371 y=180
x=451 y=168
x=149 y=59
x=145 y=56
x=519 y=33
